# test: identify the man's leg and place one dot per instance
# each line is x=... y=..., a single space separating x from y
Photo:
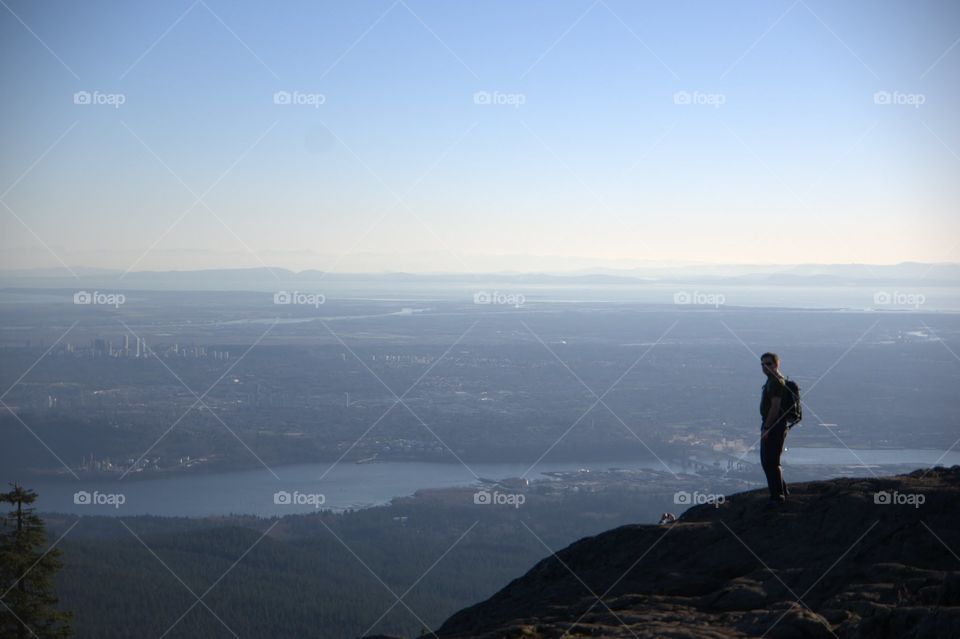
x=765 y=464
x=770 y=451
x=783 y=442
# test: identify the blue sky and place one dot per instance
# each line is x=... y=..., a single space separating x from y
x=626 y=132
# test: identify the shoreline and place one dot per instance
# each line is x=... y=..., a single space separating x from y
x=223 y=469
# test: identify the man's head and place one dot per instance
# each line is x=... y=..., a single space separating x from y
x=770 y=363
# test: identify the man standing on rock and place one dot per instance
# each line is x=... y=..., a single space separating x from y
x=773 y=428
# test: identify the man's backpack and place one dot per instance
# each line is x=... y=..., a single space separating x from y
x=791 y=410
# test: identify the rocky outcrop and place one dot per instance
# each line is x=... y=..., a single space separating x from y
x=849 y=558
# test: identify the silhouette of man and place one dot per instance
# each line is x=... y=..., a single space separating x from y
x=773 y=433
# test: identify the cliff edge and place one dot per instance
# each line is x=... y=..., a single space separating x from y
x=846 y=558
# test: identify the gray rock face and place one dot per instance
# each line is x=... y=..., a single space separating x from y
x=851 y=558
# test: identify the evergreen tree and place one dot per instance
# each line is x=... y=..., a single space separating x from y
x=27 y=569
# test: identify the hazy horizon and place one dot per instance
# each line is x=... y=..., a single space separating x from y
x=493 y=265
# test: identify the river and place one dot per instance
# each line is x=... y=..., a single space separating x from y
x=351 y=485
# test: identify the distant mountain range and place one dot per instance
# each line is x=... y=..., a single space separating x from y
x=270 y=279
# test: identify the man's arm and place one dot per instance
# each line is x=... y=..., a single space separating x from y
x=773 y=413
